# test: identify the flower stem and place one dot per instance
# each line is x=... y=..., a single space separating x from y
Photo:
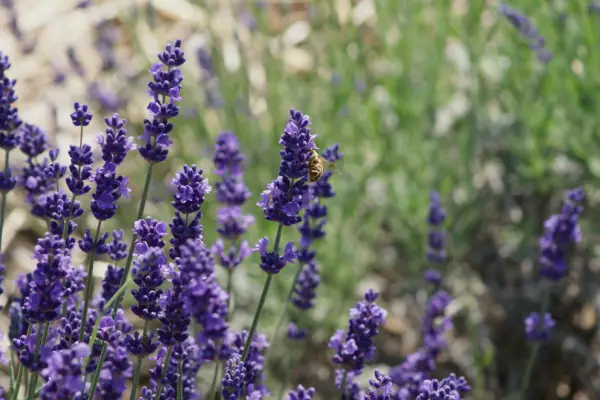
x=97 y=324
x=3 y=207
x=89 y=283
x=136 y=378
x=286 y=305
x=263 y=297
x=133 y=239
x=230 y=291
x=15 y=392
x=97 y=372
x=343 y=385
x=138 y=367
x=164 y=373
x=180 y=380
x=38 y=345
x=535 y=348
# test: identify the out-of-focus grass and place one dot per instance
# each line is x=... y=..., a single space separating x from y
x=421 y=95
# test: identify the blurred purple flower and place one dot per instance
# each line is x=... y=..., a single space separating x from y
x=560 y=231
x=528 y=30
x=537 y=328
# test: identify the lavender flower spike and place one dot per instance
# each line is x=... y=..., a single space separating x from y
x=560 y=230
x=289 y=193
x=301 y=393
x=356 y=346
x=165 y=93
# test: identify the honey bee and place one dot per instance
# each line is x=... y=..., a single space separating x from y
x=316 y=166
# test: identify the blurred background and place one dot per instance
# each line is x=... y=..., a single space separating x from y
x=421 y=95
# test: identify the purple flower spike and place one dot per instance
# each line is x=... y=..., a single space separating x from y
x=560 y=231
x=81 y=116
x=301 y=393
x=271 y=261
x=34 y=141
x=538 y=329
x=228 y=158
x=528 y=30
x=356 y=346
x=380 y=387
x=149 y=274
x=63 y=374
x=436 y=237
x=234 y=379
x=9 y=116
x=115 y=143
x=164 y=90
x=295 y=333
x=288 y=194
x=450 y=388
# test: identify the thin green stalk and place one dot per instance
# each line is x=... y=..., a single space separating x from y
x=15 y=393
x=11 y=373
x=138 y=367
x=133 y=239
x=164 y=373
x=180 y=380
x=3 y=209
x=263 y=297
x=97 y=324
x=136 y=378
x=286 y=305
x=343 y=385
x=89 y=283
x=535 y=348
x=97 y=372
x=35 y=375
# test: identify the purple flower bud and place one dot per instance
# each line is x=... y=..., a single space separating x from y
x=81 y=116
x=537 y=328
x=272 y=262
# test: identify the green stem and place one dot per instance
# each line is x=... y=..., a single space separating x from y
x=287 y=303
x=535 y=348
x=133 y=239
x=11 y=373
x=97 y=372
x=164 y=373
x=263 y=297
x=89 y=283
x=136 y=378
x=343 y=385
x=35 y=375
x=3 y=209
x=180 y=380
x=138 y=367
x=15 y=392
x=97 y=324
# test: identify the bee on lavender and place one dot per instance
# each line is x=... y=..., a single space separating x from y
x=317 y=165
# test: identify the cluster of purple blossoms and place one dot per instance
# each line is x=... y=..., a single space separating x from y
x=560 y=231
x=9 y=115
x=110 y=186
x=450 y=388
x=538 y=328
x=301 y=393
x=354 y=347
x=419 y=365
x=191 y=187
x=436 y=237
x=63 y=373
x=380 y=388
x=231 y=193
x=165 y=91
x=528 y=30
x=289 y=193
x=311 y=229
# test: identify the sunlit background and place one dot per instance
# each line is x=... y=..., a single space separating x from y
x=421 y=95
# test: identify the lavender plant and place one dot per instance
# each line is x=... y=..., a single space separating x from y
x=82 y=347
